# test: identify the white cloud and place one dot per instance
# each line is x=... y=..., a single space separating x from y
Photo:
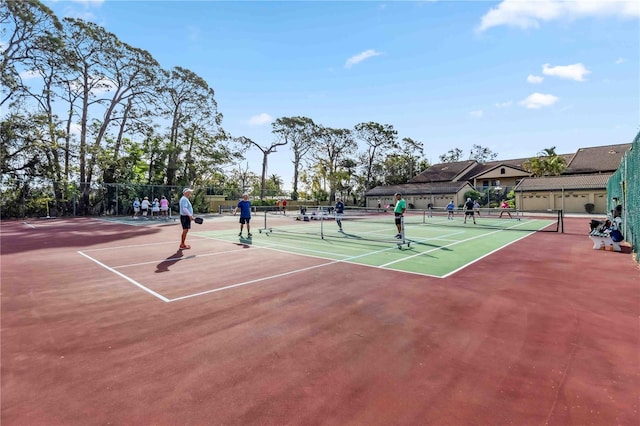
x=539 y=100
x=75 y=129
x=29 y=75
x=621 y=60
x=98 y=85
x=260 y=119
x=573 y=72
x=529 y=14
x=504 y=104
x=81 y=9
x=534 y=79
x=361 y=57
x=477 y=114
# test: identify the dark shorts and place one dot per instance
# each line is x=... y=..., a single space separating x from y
x=398 y=218
x=244 y=220
x=185 y=221
x=468 y=213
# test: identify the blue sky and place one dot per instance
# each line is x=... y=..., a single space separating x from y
x=513 y=76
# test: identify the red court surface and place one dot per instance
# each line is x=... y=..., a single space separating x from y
x=105 y=323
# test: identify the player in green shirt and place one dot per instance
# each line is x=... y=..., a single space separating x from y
x=399 y=209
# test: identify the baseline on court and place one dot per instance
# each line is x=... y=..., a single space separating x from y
x=195 y=272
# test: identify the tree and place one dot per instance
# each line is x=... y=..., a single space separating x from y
x=331 y=148
x=481 y=154
x=547 y=163
x=400 y=167
x=274 y=184
x=451 y=156
x=265 y=154
x=299 y=131
x=243 y=179
x=412 y=152
x=26 y=27
x=346 y=177
x=379 y=140
x=190 y=106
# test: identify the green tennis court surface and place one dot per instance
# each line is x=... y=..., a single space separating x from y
x=434 y=246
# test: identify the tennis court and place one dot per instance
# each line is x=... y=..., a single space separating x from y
x=434 y=246
x=105 y=321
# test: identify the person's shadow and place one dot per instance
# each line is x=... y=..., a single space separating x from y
x=171 y=260
x=245 y=242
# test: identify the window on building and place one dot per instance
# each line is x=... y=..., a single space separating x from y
x=503 y=171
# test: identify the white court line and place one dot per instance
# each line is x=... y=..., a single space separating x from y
x=175 y=259
x=132 y=281
x=141 y=222
x=439 y=248
x=134 y=245
x=253 y=281
x=333 y=262
x=29 y=225
x=482 y=257
x=271 y=247
x=464 y=241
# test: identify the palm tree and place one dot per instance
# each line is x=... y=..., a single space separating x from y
x=276 y=181
x=547 y=163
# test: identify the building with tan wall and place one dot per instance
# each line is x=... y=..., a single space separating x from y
x=583 y=182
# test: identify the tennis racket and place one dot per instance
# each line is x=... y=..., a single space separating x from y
x=198 y=220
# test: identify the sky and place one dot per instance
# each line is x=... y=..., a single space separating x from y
x=516 y=77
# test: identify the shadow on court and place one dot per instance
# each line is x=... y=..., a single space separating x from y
x=169 y=261
x=245 y=242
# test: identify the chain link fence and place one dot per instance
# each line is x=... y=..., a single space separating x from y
x=47 y=199
x=624 y=188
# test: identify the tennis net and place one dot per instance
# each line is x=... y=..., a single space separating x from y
x=507 y=219
x=378 y=225
x=323 y=222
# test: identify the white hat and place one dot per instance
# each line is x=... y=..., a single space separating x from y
x=184 y=191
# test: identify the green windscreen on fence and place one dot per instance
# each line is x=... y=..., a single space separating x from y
x=624 y=186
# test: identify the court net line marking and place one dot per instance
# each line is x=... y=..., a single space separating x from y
x=131 y=280
x=349 y=259
x=466 y=240
x=333 y=262
x=283 y=274
x=346 y=260
x=175 y=259
x=131 y=246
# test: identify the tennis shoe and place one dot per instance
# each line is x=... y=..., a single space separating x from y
x=240 y=234
x=398 y=236
x=249 y=235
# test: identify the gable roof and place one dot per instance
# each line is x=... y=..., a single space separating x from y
x=417 y=188
x=597 y=159
x=481 y=169
x=566 y=182
x=443 y=172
